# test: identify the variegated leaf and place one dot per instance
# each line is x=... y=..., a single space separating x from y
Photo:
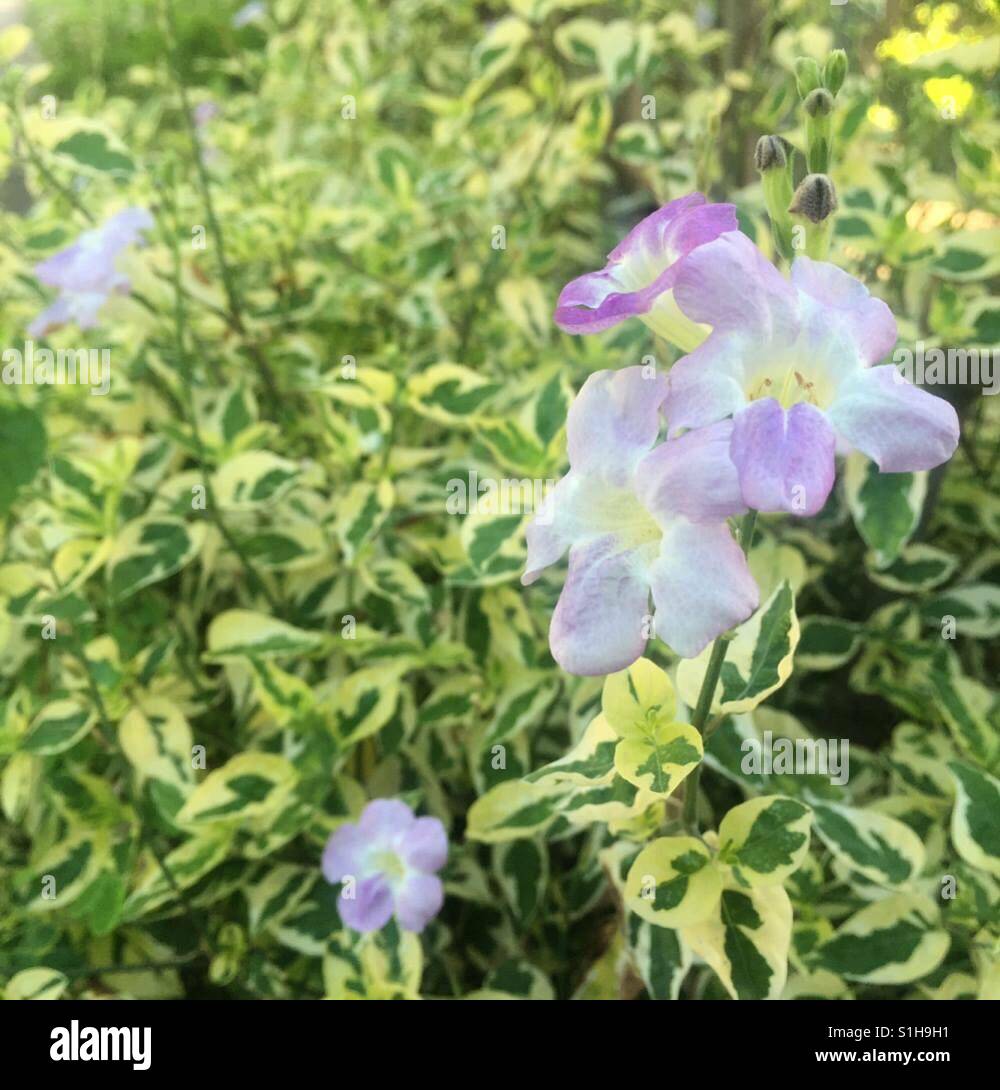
x=893 y=941
x=673 y=882
x=765 y=840
x=876 y=846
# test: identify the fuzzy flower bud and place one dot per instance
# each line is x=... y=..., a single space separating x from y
x=816 y=199
x=770 y=153
x=818 y=103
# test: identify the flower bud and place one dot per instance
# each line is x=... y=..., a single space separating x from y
x=770 y=153
x=818 y=103
x=834 y=71
x=807 y=76
x=816 y=199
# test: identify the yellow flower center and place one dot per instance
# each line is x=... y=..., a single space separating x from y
x=390 y=864
x=789 y=387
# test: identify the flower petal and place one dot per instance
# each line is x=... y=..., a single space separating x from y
x=384 y=821
x=59 y=313
x=901 y=427
x=691 y=608
x=837 y=298
x=595 y=302
x=598 y=623
x=346 y=854
x=692 y=476
x=656 y=233
x=371 y=906
x=555 y=527
x=424 y=846
x=418 y=900
x=785 y=460
x=729 y=285
x=707 y=384
x=614 y=420
x=642 y=267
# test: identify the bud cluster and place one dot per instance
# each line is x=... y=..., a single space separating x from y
x=802 y=215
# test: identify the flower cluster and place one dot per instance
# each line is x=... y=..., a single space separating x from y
x=780 y=376
x=86 y=273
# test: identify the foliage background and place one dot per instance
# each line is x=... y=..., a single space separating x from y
x=349 y=341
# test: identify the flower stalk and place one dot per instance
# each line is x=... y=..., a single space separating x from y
x=774 y=159
x=709 y=684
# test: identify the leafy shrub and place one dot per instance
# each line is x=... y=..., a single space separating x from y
x=257 y=584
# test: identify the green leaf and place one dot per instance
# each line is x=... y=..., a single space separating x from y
x=514 y=809
x=156 y=739
x=149 y=550
x=361 y=513
x=590 y=761
x=241 y=632
x=886 y=507
x=38 y=983
x=758 y=659
x=975 y=820
x=746 y=941
x=522 y=868
x=879 y=847
x=522 y=705
x=975 y=609
x=637 y=698
x=93 y=149
x=22 y=450
x=450 y=393
x=659 y=759
x=826 y=643
x=765 y=840
x=917 y=568
x=58 y=727
x=254 y=479
x=248 y=785
x=673 y=882
x=660 y=957
x=893 y=941
x=186 y=865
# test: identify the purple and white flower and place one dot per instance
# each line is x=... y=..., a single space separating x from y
x=641 y=272
x=86 y=273
x=639 y=521
x=387 y=862
x=793 y=364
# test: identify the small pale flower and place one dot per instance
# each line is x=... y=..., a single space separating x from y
x=86 y=272
x=249 y=13
x=204 y=113
x=793 y=364
x=638 y=280
x=388 y=863
x=639 y=522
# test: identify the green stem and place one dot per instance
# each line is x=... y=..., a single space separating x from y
x=187 y=388
x=708 y=687
x=233 y=304
x=35 y=158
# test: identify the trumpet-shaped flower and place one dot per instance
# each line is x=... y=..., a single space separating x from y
x=387 y=862
x=86 y=272
x=639 y=521
x=793 y=364
x=639 y=278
